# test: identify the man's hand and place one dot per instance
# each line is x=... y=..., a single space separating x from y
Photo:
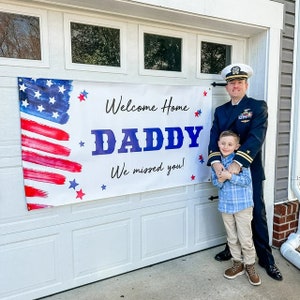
x=218 y=168
x=234 y=168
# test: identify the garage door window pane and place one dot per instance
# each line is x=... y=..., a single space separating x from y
x=20 y=36
x=214 y=57
x=162 y=52
x=95 y=45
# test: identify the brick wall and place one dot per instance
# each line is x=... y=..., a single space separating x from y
x=285 y=221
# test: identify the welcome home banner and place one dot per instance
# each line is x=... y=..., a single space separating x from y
x=85 y=141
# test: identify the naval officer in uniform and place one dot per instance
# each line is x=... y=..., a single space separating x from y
x=247 y=117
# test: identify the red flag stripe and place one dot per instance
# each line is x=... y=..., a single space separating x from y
x=44 y=146
x=32 y=206
x=33 y=192
x=44 y=130
x=43 y=176
x=52 y=162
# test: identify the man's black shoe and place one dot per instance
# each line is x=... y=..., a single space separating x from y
x=223 y=255
x=273 y=271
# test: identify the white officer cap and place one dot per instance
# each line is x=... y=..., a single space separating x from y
x=236 y=71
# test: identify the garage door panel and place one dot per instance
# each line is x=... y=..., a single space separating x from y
x=208 y=223
x=164 y=232
x=34 y=262
x=102 y=247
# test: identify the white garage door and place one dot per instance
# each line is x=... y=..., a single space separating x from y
x=48 y=250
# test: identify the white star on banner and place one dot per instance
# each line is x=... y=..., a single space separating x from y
x=61 y=89
x=37 y=94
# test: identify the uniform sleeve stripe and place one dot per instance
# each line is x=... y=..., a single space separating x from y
x=245 y=156
x=213 y=154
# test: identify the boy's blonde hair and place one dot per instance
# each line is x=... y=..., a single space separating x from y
x=230 y=133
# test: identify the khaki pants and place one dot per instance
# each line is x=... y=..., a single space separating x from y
x=239 y=235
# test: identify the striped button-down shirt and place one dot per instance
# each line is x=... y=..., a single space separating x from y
x=235 y=194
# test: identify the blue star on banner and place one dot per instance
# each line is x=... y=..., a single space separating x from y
x=73 y=184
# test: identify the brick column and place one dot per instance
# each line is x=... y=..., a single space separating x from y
x=285 y=221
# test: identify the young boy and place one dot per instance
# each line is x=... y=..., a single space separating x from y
x=236 y=205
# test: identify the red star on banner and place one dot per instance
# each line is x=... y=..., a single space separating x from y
x=198 y=113
x=81 y=97
x=80 y=194
x=193 y=177
x=205 y=93
x=201 y=158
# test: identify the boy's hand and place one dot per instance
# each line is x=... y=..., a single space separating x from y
x=225 y=175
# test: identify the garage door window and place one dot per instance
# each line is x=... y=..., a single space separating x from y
x=214 y=57
x=20 y=36
x=95 y=45
x=216 y=52
x=162 y=52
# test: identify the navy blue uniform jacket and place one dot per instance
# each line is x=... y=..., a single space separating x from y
x=249 y=119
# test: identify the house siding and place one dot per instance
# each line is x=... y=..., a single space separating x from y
x=284 y=105
x=286 y=213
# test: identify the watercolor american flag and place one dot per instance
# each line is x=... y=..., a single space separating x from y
x=43 y=145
